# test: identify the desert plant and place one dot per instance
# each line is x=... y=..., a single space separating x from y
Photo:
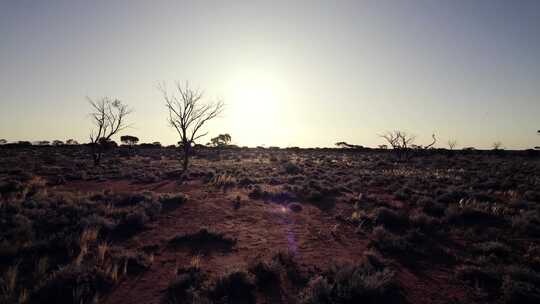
x=362 y=283
x=108 y=117
x=344 y=145
x=497 y=145
x=221 y=140
x=234 y=287
x=188 y=114
x=265 y=272
x=129 y=140
x=452 y=143
x=400 y=141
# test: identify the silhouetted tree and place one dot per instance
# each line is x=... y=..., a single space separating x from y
x=108 y=117
x=400 y=142
x=71 y=142
x=344 y=145
x=187 y=115
x=221 y=140
x=129 y=140
x=497 y=145
x=432 y=143
x=452 y=143
x=399 y=139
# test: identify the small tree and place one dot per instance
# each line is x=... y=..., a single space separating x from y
x=71 y=142
x=497 y=145
x=430 y=146
x=57 y=143
x=108 y=117
x=188 y=114
x=344 y=145
x=452 y=143
x=400 y=141
x=129 y=140
x=221 y=140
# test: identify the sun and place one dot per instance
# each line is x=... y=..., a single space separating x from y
x=255 y=101
x=255 y=89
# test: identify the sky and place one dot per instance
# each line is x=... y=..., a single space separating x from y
x=292 y=73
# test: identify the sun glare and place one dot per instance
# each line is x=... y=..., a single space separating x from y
x=255 y=100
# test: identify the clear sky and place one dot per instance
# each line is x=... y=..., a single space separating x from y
x=292 y=73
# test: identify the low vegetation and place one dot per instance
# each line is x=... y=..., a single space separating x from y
x=281 y=226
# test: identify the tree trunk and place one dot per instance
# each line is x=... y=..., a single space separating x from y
x=96 y=155
x=186 y=156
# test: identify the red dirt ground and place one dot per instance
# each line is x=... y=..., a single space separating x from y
x=261 y=229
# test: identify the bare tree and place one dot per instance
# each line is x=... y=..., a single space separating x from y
x=109 y=118
x=497 y=145
x=452 y=143
x=432 y=143
x=188 y=114
x=400 y=141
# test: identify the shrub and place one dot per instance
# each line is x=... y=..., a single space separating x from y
x=519 y=292
x=473 y=213
x=203 y=241
x=291 y=168
x=72 y=284
x=132 y=223
x=171 y=202
x=318 y=291
x=387 y=242
x=234 y=287
x=390 y=218
x=183 y=289
x=361 y=283
x=496 y=248
x=266 y=273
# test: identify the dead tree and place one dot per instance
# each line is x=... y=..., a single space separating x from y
x=400 y=142
x=188 y=114
x=109 y=118
x=452 y=143
x=497 y=145
x=432 y=143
